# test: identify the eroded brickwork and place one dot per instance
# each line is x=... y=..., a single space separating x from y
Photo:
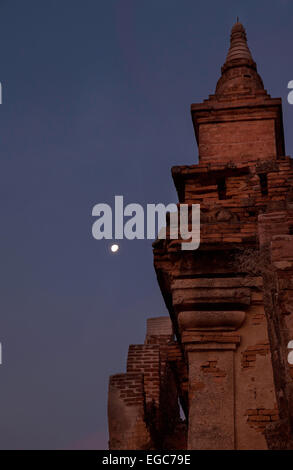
x=230 y=301
x=143 y=405
x=260 y=418
x=127 y=427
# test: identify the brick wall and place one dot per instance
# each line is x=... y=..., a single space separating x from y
x=146 y=359
x=239 y=140
x=143 y=403
x=127 y=427
x=259 y=419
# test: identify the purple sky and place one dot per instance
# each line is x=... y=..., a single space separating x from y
x=96 y=98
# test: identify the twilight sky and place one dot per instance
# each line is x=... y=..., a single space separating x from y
x=96 y=98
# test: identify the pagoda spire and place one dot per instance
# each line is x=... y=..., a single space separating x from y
x=239 y=72
x=238 y=44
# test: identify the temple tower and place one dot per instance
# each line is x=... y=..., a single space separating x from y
x=231 y=301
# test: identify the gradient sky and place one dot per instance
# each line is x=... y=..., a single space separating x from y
x=96 y=99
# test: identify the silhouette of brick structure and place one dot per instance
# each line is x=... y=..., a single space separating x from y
x=231 y=301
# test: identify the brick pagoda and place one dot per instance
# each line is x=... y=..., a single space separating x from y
x=215 y=375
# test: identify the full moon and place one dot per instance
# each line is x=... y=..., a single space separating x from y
x=114 y=248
